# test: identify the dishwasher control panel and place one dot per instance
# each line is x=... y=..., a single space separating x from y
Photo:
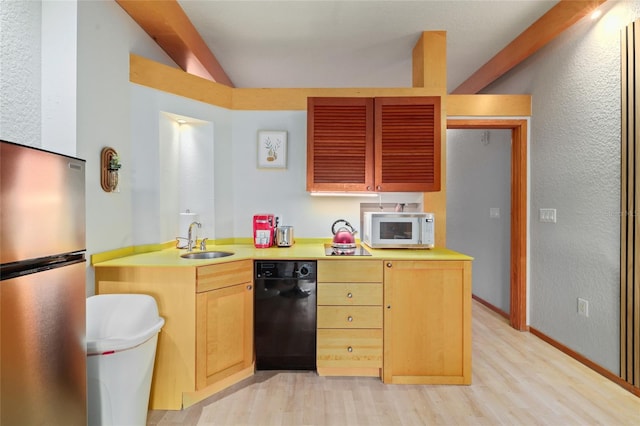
x=287 y=269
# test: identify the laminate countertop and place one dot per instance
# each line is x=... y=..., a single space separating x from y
x=164 y=256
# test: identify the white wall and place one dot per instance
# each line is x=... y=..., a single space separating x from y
x=105 y=37
x=278 y=191
x=196 y=175
x=575 y=156
x=479 y=179
x=20 y=72
x=175 y=167
x=38 y=74
x=59 y=59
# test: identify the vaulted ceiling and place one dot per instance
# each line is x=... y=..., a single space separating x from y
x=361 y=43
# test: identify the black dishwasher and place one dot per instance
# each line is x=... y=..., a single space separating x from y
x=285 y=314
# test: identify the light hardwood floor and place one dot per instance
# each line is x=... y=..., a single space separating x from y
x=518 y=379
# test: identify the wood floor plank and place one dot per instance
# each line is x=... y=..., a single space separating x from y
x=517 y=379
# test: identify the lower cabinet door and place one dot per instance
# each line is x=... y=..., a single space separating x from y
x=427 y=322
x=224 y=333
x=354 y=348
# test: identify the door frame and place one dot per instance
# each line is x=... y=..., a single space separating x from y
x=518 y=260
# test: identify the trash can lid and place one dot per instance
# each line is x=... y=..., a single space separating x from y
x=120 y=321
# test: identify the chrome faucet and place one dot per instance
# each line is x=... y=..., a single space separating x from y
x=203 y=244
x=192 y=241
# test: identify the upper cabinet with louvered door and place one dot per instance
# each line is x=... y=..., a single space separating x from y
x=373 y=144
x=407 y=144
x=340 y=144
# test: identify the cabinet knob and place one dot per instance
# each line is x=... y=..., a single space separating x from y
x=349 y=349
x=369 y=188
x=249 y=287
x=350 y=318
x=389 y=265
x=349 y=295
x=379 y=188
x=388 y=306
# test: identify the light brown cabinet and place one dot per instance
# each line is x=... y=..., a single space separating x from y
x=384 y=144
x=206 y=343
x=427 y=322
x=349 y=319
x=224 y=321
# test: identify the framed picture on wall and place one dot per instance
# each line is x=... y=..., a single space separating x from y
x=272 y=149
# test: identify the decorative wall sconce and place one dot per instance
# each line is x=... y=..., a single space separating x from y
x=109 y=166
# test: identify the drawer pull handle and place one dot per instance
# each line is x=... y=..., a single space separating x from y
x=349 y=295
x=349 y=349
x=350 y=318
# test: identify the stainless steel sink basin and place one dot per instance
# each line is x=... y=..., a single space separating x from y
x=206 y=254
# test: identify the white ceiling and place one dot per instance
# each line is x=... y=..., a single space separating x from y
x=361 y=43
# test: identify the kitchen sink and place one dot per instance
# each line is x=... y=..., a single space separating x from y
x=206 y=254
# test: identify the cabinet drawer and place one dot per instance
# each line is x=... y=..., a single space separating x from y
x=349 y=316
x=221 y=275
x=350 y=271
x=349 y=348
x=350 y=294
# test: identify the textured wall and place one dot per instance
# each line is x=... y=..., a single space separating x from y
x=105 y=36
x=59 y=65
x=479 y=179
x=20 y=81
x=575 y=155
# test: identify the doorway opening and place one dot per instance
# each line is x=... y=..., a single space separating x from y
x=479 y=210
x=518 y=244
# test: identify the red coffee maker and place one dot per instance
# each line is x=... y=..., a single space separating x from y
x=264 y=230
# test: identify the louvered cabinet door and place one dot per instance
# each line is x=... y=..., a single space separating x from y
x=340 y=144
x=407 y=144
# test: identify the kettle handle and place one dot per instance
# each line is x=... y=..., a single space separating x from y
x=333 y=227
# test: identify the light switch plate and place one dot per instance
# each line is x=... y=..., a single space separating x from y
x=583 y=307
x=547 y=215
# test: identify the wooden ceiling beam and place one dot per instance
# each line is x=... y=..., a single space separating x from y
x=169 y=26
x=551 y=24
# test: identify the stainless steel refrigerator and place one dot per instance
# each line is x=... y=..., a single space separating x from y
x=42 y=288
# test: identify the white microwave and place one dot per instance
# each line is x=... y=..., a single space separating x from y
x=398 y=230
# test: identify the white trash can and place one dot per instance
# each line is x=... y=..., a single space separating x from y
x=122 y=333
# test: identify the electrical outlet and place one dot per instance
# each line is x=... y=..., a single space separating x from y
x=547 y=215
x=583 y=307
